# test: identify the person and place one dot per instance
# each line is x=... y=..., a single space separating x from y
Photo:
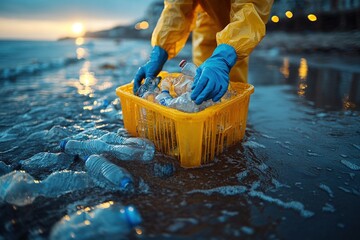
x=224 y=34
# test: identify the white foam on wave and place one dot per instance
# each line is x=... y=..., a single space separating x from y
x=239 y=190
x=326 y=189
x=252 y=144
x=7 y=73
x=350 y=165
x=345 y=189
x=328 y=208
x=297 y=206
x=278 y=184
x=247 y=230
x=356 y=146
x=267 y=136
x=241 y=175
x=224 y=190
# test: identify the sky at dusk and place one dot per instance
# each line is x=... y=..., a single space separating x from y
x=51 y=19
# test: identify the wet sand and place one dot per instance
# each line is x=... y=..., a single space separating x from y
x=294 y=176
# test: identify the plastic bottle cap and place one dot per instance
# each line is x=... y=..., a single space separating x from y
x=106 y=103
x=125 y=182
x=182 y=63
x=63 y=144
x=133 y=216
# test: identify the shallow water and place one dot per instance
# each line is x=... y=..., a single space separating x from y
x=294 y=176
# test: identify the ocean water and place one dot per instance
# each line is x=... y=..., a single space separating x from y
x=16 y=53
x=295 y=175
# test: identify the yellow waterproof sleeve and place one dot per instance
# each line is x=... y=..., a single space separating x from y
x=174 y=26
x=246 y=27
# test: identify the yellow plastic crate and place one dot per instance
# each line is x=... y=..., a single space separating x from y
x=195 y=138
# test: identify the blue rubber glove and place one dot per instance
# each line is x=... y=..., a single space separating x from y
x=158 y=57
x=212 y=77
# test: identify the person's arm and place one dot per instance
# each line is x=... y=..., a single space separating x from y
x=169 y=37
x=174 y=26
x=246 y=27
x=235 y=42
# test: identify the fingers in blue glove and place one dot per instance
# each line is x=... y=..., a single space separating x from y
x=196 y=78
x=204 y=90
x=199 y=87
x=208 y=92
x=214 y=92
x=221 y=93
x=140 y=75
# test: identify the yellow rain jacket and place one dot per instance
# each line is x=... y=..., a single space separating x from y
x=238 y=23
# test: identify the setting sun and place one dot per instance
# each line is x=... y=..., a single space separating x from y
x=78 y=28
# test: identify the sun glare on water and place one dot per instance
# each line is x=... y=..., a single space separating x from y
x=78 y=28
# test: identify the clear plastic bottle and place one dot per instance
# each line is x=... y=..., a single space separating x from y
x=101 y=103
x=121 y=152
x=114 y=138
x=111 y=113
x=45 y=162
x=150 y=85
x=107 y=220
x=184 y=82
x=184 y=103
x=206 y=104
x=150 y=95
x=164 y=98
x=183 y=85
x=107 y=174
x=88 y=133
x=61 y=182
x=20 y=188
x=153 y=90
x=230 y=93
x=187 y=68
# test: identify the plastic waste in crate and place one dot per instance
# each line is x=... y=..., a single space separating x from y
x=195 y=138
x=176 y=90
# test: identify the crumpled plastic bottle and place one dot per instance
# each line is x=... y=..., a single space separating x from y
x=20 y=188
x=184 y=82
x=149 y=87
x=164 y=98
x=184 y=103
x=107 y=220
x=122 y=152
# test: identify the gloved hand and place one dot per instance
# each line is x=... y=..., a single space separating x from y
x=212 y=77
x=158 y=57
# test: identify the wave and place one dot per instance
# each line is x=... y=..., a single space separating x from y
x=36 y=67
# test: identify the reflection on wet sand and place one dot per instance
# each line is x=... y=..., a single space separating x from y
x=326 y=87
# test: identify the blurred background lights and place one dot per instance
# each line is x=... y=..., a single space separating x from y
x=142 y=25
x=275 y=19
x=312 y=17
x=289 y=14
